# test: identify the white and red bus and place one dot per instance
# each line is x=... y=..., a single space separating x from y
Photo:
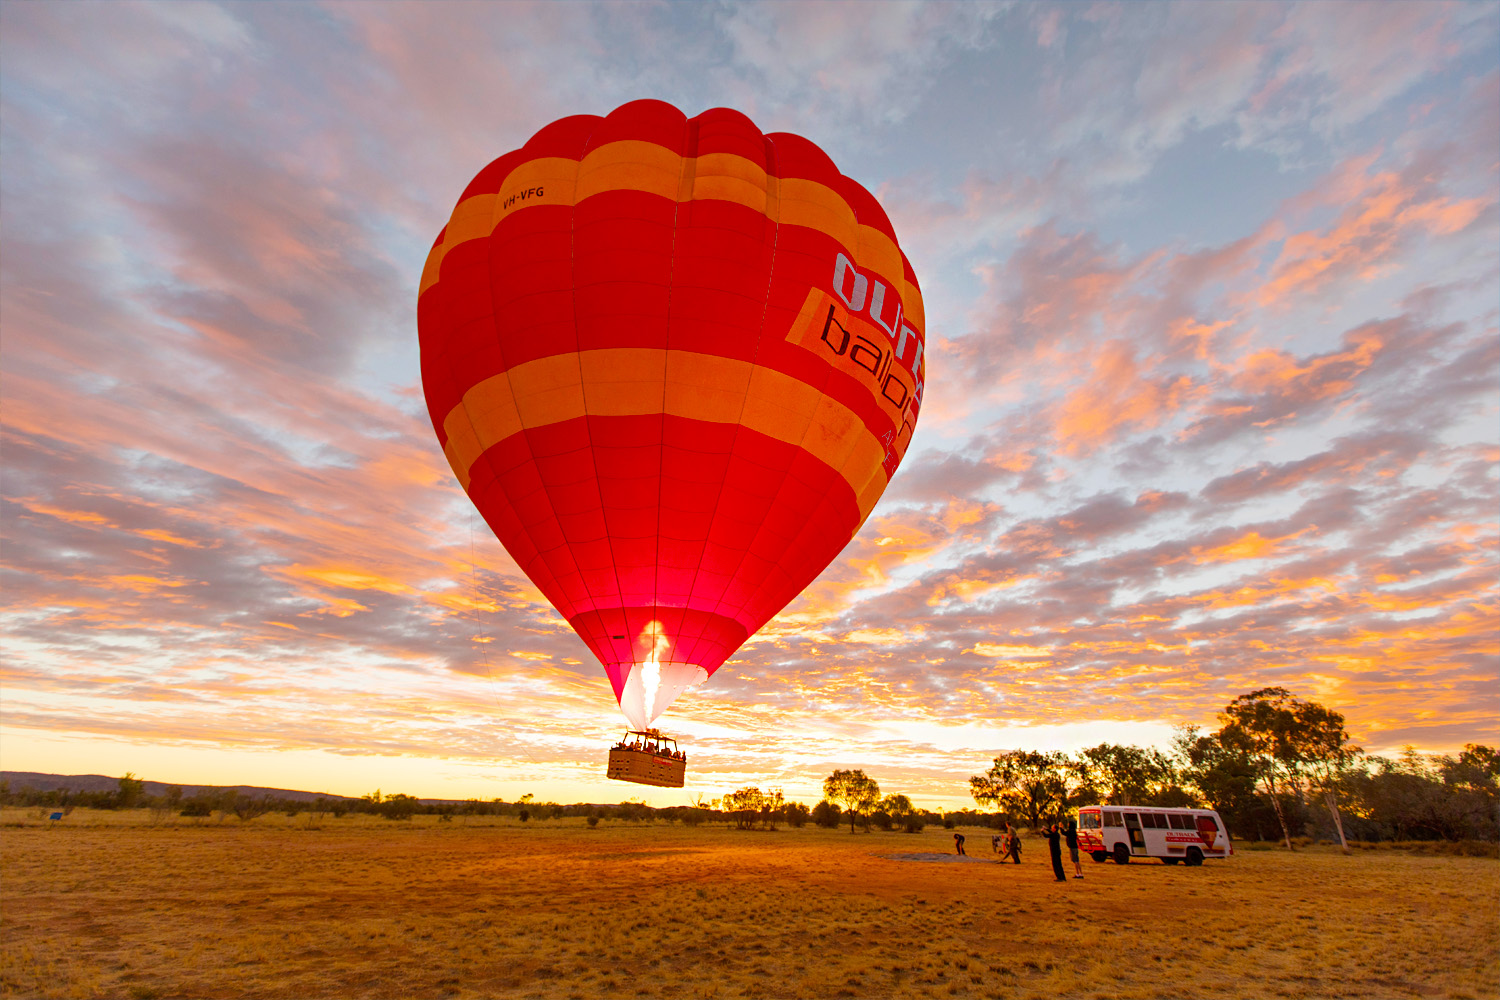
x=1125 y=832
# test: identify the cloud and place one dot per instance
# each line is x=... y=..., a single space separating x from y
x=1152 y=473
x=866 y=61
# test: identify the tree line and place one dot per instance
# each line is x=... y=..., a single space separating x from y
x=1278 y=767
x=224 y=803
x=851 y=797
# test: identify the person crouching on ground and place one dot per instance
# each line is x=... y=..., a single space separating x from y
x=1012 y=845
x=1053 y=834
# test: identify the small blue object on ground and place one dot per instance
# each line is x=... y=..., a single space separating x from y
x=56 y=816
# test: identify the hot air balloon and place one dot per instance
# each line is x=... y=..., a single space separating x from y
x=674 y=362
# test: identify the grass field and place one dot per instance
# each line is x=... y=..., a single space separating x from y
x=108 y=905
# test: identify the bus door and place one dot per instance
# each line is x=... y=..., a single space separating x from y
x=1133 y=829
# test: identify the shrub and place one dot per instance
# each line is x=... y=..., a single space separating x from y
x=914 y=823
x=399 y=806
x=523 y=815
x=593 y=821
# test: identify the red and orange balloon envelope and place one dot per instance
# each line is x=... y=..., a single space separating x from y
x=674 y=362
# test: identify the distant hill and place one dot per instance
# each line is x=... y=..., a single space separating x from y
x=100 y=783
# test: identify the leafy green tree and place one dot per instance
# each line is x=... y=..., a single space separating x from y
x=399 y=806
x=1218 y=765
x=132 y=790
x=898 y=807
x=247 y=809
x=1417 y=797
x=169 y=803
x=1027 y=782
x=825 y=814
x=1125 y=775
x=856 y=792
x=744 y=807
x=1267 y=722
x=796 y=815
x=771 y=805
x=1323 y=746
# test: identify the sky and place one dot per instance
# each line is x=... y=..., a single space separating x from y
x=1213 y=396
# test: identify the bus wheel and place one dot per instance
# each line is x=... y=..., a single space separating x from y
x=1100 y=857
x=1122 y=854
x=1194 y=856
x=1170 y=861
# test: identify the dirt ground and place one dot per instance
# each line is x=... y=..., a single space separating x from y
x=363 y=907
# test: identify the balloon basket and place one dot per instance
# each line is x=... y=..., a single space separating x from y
x=646 y=757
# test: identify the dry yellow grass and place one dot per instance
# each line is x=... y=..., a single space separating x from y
x=369 y=908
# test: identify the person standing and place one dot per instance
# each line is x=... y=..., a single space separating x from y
x=958 y=844
x=1012 y=845
x=1053 y=834
x=1070 y=834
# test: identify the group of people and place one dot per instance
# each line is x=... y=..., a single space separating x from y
x=1058 y=833
x=660 y=749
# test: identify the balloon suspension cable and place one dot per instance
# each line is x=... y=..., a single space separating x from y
x=484 y=652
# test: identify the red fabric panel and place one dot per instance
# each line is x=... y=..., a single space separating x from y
x=565 y=137
x=488 y=180
x=866 y=209
x=647 y=121
x=799 y=157
x=724 y=130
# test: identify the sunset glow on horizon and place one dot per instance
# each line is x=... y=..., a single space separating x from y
x=1213 y=398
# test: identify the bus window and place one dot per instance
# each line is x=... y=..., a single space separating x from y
x=1112 y=818
x=1207 y=823
x=1151 y=821
x=1088 y=821
x=1178 y=821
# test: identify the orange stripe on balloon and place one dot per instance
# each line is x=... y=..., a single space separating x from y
x=623 y=382
x=634 y=165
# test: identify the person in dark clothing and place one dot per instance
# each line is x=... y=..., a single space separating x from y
x=1070 y=833
x=958 y=844
x=1012 y=845
x=1053 y=834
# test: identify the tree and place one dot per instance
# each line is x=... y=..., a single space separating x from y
x=399 y=806
x=1219 y=767
x=1027 y=781
x=248 y=809
x=825 y=814
x=1125 y=775
x=898 y=807
x=857 y=793
x=744 y=807
x=771 y=803
x=1267 y=722
x=169 y=803
x=902 y=812
x=1321 y=743
x=132 y=789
